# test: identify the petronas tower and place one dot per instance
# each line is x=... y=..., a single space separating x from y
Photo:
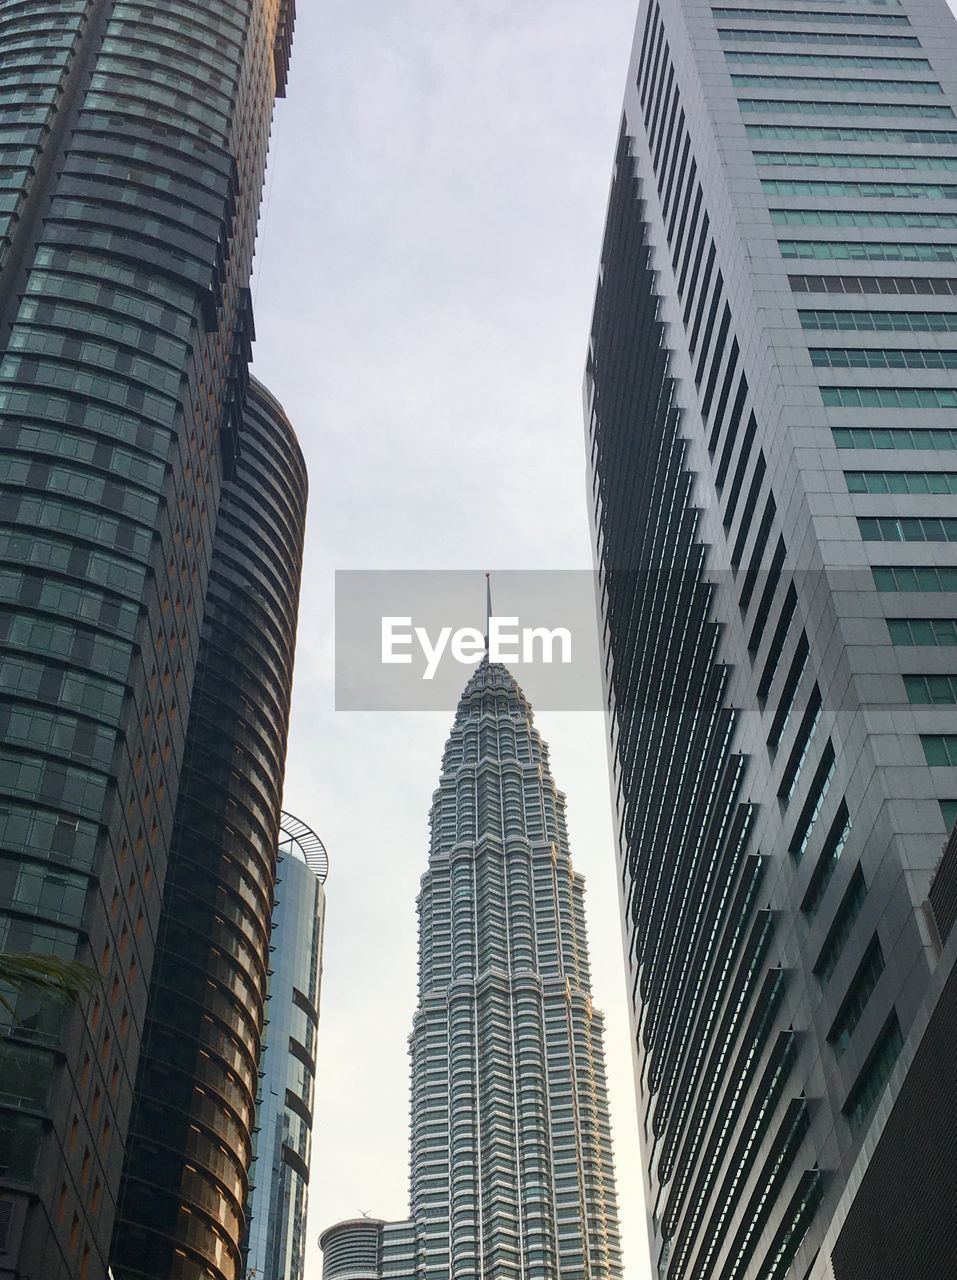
x=511 y=1147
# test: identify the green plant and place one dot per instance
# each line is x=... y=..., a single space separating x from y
x=43 y=975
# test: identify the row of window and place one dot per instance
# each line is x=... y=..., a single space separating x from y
x=814 y=15
x=931 y=690
x=901 y=481
x=868 y=250
x=936 y=438
x=835 y=84
x=839 y=160
x=883 y=190
x=741 y=35
x=862 y=218
x=940 y=749
x=924 y=633
x=870 y=358
x=908 y=528
x=915 y=577
x=863 y=62
x=881 y=321
x=890 y=397
x=848 y=133
x=784 y=106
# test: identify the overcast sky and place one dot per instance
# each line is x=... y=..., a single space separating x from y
x=428 y=252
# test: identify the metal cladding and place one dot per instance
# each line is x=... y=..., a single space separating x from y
x=770 y=369
x=511 y=1157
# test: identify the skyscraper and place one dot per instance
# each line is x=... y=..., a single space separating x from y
x=133 y=140
x=511 y=1157
x=772 y=462
x=277 y=1207
x=190 y=1142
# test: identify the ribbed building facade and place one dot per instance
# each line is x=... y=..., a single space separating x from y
x=769 y=394
x=133 y=140
x=511 y=1161
x=276 y=1212
x=191 y=1135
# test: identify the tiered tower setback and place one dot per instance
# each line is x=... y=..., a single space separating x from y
x=511 y=1146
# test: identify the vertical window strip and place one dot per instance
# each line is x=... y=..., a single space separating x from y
x=834 y=844
x=858 y=994
x=776 y=647
x=785 y=705
x=840 y=930
x=810 y=812
x=875 y=1075
x=757 y=552
x=802 y=745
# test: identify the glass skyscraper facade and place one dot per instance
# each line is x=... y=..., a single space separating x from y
x=511 y=1157
x=770 y=390
x=280 y=1174
x=191 y=1133
x=133 y=138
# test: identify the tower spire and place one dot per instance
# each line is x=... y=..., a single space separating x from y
x=488 y=609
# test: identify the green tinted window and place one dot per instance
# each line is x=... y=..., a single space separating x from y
x=867 y=251
x=931 y=690
x=940 y=749
x=907 y=529
x=890 y=190
x=924 y=632
x=837 y=160
x=891 y=397
x=915 y=577
x=881 y=321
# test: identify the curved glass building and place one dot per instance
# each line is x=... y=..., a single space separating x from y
x=280 y=1173
x=190 y=1144
x=511 y=1163
x=133 y=139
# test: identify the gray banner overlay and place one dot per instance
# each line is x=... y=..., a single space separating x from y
x=408 y=641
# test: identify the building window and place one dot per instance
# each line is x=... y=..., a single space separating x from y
x=834 y=844
x=855 y=1002
x=924 y=632
x=908 y=528
x=935 y=438
x=870 y=1083
x=940 y=749
x=919 y=482
x=882 y=321
x=847 y=914
x=915 y=577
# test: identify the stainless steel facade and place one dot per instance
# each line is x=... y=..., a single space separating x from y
x=769 y=401
x=276 y=1244
x=511 y=1158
